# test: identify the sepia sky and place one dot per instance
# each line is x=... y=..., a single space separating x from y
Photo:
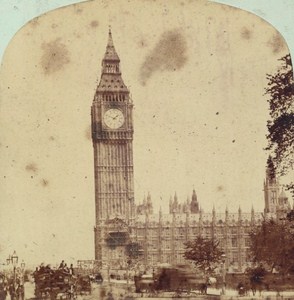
x=196 y=72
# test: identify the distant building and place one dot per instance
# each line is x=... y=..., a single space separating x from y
x=120 y=221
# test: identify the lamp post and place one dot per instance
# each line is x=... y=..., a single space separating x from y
x=13 y=259
x=223 y=270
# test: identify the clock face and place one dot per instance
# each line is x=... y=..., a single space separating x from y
x=114 y=118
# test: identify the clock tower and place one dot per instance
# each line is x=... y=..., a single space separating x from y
x=112 y=136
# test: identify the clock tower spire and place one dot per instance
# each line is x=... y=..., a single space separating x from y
x=112 y=136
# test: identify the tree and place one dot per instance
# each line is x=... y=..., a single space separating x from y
x=281 y=124
x=205 y=253
x=256 y=277
x=133 y=250
x=290 y=217
x=272 y=244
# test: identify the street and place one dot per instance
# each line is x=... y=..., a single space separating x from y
x=119 y=292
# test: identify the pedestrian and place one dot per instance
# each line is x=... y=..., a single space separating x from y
x=61 y=266
x=65 y=268
x=71 y=269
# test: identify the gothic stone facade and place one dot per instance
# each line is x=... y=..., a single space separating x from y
x=119 y=221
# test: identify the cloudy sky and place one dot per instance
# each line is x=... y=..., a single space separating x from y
x=196 y=71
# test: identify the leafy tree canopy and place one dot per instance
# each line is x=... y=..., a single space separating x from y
x=272 y=244
x=133 y=250
x=204 y=253
x=280 y=135
x=256 y=274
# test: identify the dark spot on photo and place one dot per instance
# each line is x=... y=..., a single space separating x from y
x=219 y=188
x=246 y=33
x=168 y=54
x=94 y=23
x=55 y=56
x=276 y=43
x=79 y=11
x=45 y=182
x=32 y=167
x=142 y=43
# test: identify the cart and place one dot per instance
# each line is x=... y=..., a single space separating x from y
x=54 y=284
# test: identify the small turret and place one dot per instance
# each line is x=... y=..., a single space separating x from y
x=194 y=203
x=227 y=214
x=213 y=214
x=252 y=215
x=149 y=205
x=283 y=205
x=271 y=188
x=170 y=205
x=160 y=214
x=175 y=199
x=239 y=214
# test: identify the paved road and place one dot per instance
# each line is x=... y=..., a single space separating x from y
x=118 y=292
x=98 y=292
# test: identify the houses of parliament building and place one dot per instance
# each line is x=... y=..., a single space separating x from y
x=119 y=220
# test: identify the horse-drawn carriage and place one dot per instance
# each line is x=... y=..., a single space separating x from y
x=83 y=285
x=54 y=283
x=172 y=279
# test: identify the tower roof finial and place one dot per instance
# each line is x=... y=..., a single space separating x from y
x=111 y=74
x=110 y=54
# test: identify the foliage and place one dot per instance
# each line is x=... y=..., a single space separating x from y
x=205 y=253
x=272 y=244
x=256 y=274
x=115 y=239
x=290 y=216
x=271 y=168
x=133 y=250
x=281 y=124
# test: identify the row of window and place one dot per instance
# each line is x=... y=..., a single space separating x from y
x=233 y=259
x=168 y=243
x=182 y=232
x=113 y=97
